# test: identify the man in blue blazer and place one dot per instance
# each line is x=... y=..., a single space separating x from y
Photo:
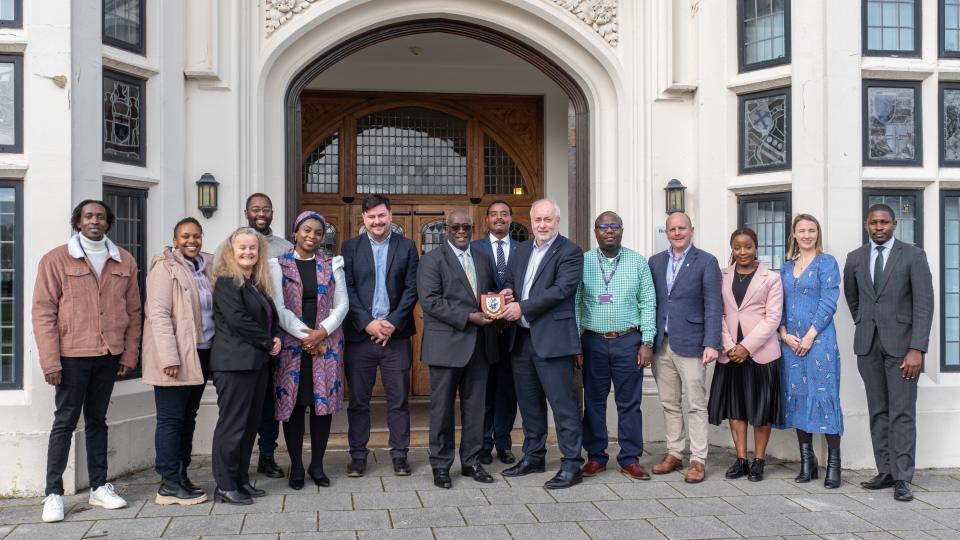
x=380 y=269
x=689 y=317
x=542 y=277
x=501 y=403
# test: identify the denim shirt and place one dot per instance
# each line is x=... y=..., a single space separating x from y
x=381 y=300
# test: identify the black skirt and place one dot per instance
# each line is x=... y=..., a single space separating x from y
x=747 y=391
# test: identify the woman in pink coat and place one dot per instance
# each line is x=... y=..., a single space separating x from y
x=746 y=382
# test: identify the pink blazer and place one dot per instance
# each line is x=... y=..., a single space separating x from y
x=759 y=315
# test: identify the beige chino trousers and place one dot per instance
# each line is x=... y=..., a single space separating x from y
x=678 y=375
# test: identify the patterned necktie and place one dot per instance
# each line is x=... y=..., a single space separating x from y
x=501 y=260
x=878 y=269
x=468 y=268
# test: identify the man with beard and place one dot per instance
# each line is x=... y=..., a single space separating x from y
x=500 y=411
x=459 y=345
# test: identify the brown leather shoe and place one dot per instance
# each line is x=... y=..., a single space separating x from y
x=695 y=473
x=593 y=468
x=635 y=471
x=670 y=463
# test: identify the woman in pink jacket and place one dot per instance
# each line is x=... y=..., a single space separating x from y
x=746 y=382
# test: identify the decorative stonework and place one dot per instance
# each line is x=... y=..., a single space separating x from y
x=281 y=11
x=601 y=15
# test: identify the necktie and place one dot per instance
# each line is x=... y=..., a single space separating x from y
x=501 y=260
x=468 y=268
x=878 y=269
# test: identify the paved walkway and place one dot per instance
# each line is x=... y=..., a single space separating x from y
x=607 y=506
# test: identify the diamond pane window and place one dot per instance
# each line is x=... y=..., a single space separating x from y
x=11 y=285
x=764 y=33
x=123 y=24
x=950 y=282
x=765 y=131
x=432 y=236
x=892 y=132
x=321 y=171
x=329 y=242
x=412 y=151
x=769 y=217
x=123 y=118
x=907 y=209
x=891 y=27
x=519 y=232
x=950 y=124
x=501 y=176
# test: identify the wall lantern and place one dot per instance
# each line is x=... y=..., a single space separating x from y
x=207 y=194
x=518 y=190
x=675 y=195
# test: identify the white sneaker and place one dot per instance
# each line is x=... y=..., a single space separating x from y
x=53 y=508
x=106 y=497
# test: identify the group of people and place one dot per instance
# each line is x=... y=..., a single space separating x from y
x=282 y=328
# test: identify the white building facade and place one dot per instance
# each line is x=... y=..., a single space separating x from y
x=763 y=109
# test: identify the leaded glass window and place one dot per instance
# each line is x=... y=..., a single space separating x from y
x=765 y=131
x=11 y=285
x=519 y=232
x=329 y=242
x=395 y=228
x=129 y=231
x=11 y=103
x=412 y=151
x=432 y=236
x=769 y=216
x=123 y=24
x=892 y=132
x=950 y=282
x=501 y=176
x=950 y=124
x=764 y=33
x=949 y=27
x=891 y=27
x=906 y=205
x=321 y=171
x=11 y=13
x=123 y=118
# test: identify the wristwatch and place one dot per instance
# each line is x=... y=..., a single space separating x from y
x=648 y=344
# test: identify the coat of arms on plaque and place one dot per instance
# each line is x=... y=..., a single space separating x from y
x=493 y=304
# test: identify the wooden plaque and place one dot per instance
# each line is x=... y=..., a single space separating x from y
x=493 y=304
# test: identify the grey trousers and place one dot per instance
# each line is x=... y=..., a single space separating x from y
x=892 y=403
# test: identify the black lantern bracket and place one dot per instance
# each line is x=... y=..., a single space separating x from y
x=207 y=187
x=675 y=192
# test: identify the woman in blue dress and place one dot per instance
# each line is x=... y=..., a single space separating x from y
x=811 y=360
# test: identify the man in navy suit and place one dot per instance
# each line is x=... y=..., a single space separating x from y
x=501 y=403
x=689 y=317
x=543 y=276
x=380 y=269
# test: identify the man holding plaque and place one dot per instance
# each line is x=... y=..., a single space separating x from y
x=616 y=312
x=546 y=272
x=459 y=345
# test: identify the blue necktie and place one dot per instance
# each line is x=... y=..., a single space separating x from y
x=501 y=260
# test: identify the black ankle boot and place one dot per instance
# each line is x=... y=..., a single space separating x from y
x=740 y=467
x=185 y=481
x=832 y=478
x=808 y=464
x=171 y=492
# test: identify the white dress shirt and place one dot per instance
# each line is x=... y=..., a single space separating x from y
x=465 y=254
x=506 y=248
x=536 y=257
x=888 y=249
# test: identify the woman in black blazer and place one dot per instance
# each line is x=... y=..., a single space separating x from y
x=247 y=334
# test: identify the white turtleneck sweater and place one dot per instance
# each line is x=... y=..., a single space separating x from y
x=96 y=251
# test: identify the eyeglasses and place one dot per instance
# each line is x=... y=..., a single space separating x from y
x=460 y=227
x=259 y=210
x=609 y=227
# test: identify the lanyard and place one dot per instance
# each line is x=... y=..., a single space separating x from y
x=674 y=268
x=603 y=273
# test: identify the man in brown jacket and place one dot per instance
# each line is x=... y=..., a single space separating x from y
x=86 y=319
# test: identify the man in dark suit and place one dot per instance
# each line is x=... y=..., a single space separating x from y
x=546 y=272
x=380 y=269
x=689 y=318
x=500 y=411
x=459 y=345
x=889 y=290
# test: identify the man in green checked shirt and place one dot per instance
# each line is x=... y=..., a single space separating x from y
x=616 y=308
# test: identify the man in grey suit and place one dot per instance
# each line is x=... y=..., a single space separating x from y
x=459 y=344
x=889 y=290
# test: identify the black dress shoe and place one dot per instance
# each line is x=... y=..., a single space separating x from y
x=269 y=467
x=506 y=457
x=485 y=457
x=478 y=473
x=401 y=467
x=252 y=491
x=564 y=479
x=441 y=478
x=319 y=478
x=231 y=497
x=524 y=468
x=902 y=491
x=880 y=481
x=756 y=470
x=296 y=479
x=356 y=467
x=740 y=467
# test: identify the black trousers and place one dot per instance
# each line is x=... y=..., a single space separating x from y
x=293 y=430
x=86 y=385
x=177 y=408
x=361 y=362
x=445 y=382
x=500 y=410
x=269 y=428
x=240 y=397
x=892 y=404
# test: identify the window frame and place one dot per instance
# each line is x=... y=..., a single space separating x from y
x=866 y=193
x=916 y=86
x=917 y=34
x=942 y=87
x=941 y=33
x=17 y=20
x=17 y=146
x=140 y=47
x=785 y=196
x=944 y=368
x=742 y=66
x=741 y=124
x=18 y=306
x=129 y=79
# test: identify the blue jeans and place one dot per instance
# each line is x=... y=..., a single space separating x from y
x=606 y=361
x=269 y=428
x=177 y=408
